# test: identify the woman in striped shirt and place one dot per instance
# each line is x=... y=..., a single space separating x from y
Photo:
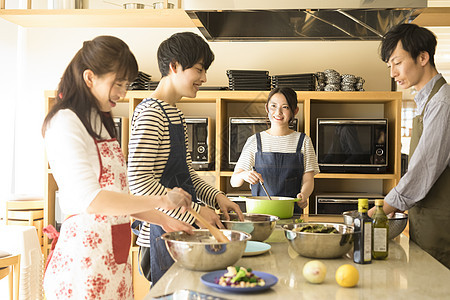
x=280 y=157
x=158 y=156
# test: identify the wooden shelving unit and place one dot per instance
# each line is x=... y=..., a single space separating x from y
x=312 y=104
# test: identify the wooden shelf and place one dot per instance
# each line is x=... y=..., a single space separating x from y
x=434 y=16
x=132 y=18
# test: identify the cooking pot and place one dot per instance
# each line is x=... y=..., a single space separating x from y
x=282 y=207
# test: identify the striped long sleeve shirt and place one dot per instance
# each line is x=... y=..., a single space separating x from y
x=149 y=150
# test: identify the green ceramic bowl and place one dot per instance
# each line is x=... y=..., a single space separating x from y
x=282 y=207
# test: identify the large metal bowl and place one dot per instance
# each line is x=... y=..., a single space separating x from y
x=320 y=245
x=202 y=252
x=259 y=226
x=397 y=222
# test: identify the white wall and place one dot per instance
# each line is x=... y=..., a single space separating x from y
x=33 y=60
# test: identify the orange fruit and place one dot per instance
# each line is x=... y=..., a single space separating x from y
x=347 y=275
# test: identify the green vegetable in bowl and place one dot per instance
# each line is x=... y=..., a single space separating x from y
x=316 y=229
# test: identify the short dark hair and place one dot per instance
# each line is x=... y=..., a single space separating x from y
x=415 y=39
x=289 y=94
x=186 y=48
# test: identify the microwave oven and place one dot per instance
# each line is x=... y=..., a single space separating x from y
x=241 y=128
x=352 y=145
x=337 y=203
x=200 y=142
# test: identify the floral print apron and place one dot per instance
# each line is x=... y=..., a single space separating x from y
x=91 y=257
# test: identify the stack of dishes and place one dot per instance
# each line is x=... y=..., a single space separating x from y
x=320 y=81
x=142 y=82
x=332 y=80
x=348 y=82
x=359 y=84
x=248 y=80
x=298 y=82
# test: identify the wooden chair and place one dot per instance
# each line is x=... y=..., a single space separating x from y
x=26 y=213
x=10 y=265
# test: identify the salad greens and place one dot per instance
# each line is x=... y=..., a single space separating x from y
x=240 y=277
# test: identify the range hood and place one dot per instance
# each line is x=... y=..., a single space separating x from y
x=261 y=20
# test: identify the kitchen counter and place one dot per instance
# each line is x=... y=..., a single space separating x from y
x=408 y=273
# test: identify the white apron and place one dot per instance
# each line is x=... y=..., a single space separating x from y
x=90 y=259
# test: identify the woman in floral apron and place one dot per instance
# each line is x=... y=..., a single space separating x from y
x=90 y=259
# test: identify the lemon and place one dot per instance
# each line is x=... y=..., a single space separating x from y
x=347 y=275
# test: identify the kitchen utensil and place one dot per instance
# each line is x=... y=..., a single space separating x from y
x=133 y=6
x=320 y=245
x=201 y=251
x=265 y=190
x=282 y=207
x=160 y=5
x=397 y=223
x=220 y=237
x=259 y=226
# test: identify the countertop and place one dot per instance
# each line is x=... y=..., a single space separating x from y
x=407 y=273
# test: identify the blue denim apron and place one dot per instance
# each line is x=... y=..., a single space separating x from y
x=175 y=174
x=282 y=172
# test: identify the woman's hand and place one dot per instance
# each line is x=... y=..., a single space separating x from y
x=170 y=224
x=175 y=198
x=226 y=205
x=210 y=216
x=252 y=177
x=303 y=202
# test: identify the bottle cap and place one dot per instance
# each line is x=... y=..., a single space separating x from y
x=363 y=204
x=379 y=202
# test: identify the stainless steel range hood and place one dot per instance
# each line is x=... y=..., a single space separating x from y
x=260 y=20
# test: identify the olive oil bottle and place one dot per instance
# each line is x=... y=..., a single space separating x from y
x=362 y=253
x=380 y=232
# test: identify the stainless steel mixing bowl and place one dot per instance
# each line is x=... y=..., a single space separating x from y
x=259 y=226
x=320 y=245
x=397 y=223
x=202 y=252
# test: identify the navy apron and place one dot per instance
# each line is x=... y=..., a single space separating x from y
x=282 y=172
x=428 y=219
x=175 y=174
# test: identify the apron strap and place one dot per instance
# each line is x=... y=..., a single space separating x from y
x=439 y=83
x=258 y=142
x=162 y=108
x=300 y=142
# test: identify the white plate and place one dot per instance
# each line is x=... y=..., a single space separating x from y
x=256 y=248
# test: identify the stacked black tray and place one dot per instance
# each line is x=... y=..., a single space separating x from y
x=142 y=82
x=248 y=80
x=298 y=82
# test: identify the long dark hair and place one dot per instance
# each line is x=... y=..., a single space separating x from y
x=289 y=94
x=102 y=55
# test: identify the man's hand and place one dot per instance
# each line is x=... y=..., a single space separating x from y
x=226 y=205
x=210 y=216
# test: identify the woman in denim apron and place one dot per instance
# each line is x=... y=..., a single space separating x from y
x=280 y=157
